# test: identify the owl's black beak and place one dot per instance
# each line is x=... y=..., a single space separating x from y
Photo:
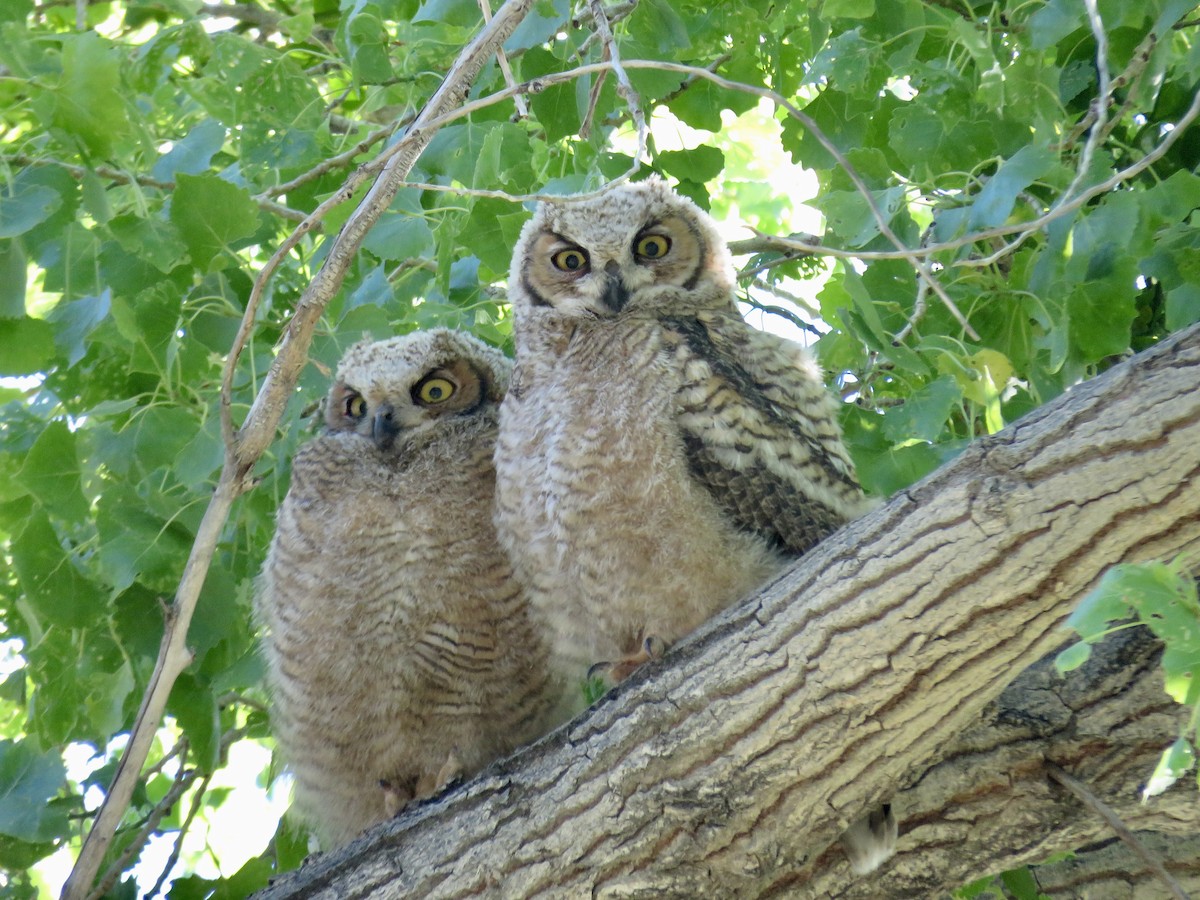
x=616 y=295
x=384 y=427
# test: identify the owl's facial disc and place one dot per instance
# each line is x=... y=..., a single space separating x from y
x=389 y=408
x=609 y=275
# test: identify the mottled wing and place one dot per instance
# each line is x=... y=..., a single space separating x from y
x=760 y=431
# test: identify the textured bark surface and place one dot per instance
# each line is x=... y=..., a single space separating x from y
x=1109 y=871
x=988 y=804
x=729 y=768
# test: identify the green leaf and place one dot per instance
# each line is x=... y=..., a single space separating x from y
x=26 y=206
x=1174 y=763
x=493 y=223
x=400 y=237
x=192 y=155
x=87 y=101
x=1021 y=884
x=362 y=34
x=51 y=473
x=701 y=164
x=556 y=107
x=1073 y=657
x=850 y=217
x=57 y=591
x=461 y=13
x=153 y=239
x=1054 y=21
x=656 y=21
x=849 y=9
x=76 y=320
x=1101 y=313
x=107 y=693
x=373 y=290
x=13 y=270
x=1106 y=603
x=995 y=202
x=28 y=780
x=923 y=415
x=211 y=214
x=1183 y=306
x=192 y=703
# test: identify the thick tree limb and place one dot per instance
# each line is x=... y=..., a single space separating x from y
x=988 y=804
x=732 y=765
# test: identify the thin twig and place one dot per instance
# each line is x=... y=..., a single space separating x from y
x=184 y=827
x=777 y=291
x=1103 y=91
x=783 y=313
x=183 y=780
x=613 y=14
x=1102 y=809
x=118 y=177
x=502 y=61
x=624 y=87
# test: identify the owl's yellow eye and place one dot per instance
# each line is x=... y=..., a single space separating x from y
x=570 y=260
x=356 y=406
x=652 y=246
x=435 y=390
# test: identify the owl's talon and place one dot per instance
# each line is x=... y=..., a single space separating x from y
x=395 y=797
x=616 y=671
x=654 y=647
x=451 y=771
x=599 y=670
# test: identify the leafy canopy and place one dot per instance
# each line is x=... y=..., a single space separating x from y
x=156 y=154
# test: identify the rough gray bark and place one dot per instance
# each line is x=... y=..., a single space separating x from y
x=1109 y=871
x=987 y=805
x=730 y=768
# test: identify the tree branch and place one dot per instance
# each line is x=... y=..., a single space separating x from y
x=260 y=426
x=735 y=762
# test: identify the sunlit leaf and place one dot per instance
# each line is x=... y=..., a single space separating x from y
x=87 y=101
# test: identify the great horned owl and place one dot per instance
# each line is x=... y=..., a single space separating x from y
x=399 y=649
x=658 y=458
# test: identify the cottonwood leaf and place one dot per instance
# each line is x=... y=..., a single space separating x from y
x=996 y=201
x=211 y=215
x=87 y=101
x=28 y=780
x=23 y=206
x=51 y=472
x=192 y=155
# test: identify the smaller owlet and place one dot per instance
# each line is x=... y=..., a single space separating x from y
x=399 y=650
x=658 y=458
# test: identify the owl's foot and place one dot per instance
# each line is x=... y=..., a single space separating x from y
x=616 y=671
x=871 y=840
x=395 y=796
x=432 y=782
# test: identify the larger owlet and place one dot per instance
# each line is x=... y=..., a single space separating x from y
x=399 y=649
x=658 y=458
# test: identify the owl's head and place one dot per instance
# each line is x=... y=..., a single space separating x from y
x=638 y=248
x=402 y=386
